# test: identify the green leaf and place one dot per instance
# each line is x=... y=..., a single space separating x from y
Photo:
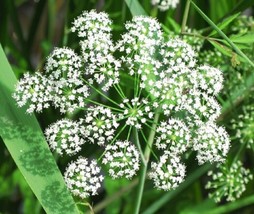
x=247 y=38
x=24 y=140
x=225 y=23
x=199 y=208
x=135 y=8
x=221 y=48
x=210 y=22
x=174 y=25
x=227 y=208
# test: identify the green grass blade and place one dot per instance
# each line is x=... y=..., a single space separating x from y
x=135 y=7
x=24 y=140
x=225 y=23
x=209 y=21
x=170 y=195
x=245 y=39
x=227 y=208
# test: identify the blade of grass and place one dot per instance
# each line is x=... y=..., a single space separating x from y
x=225 y=23
x=25 y=142
x=232 y=206
x=170 y=195
x=209 y=21
x=135 y=7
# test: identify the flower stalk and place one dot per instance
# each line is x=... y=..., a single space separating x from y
x=145 y=165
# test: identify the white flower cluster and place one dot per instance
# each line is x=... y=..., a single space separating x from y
x=210 y=79
x=167 y=68
x=174 y=136
x=211 y=143
x=164 y=5
x=139 y=45
x=178 y=53
x=64 y=68
x=83 y=177
x=244 y=126
x=63 y=64
x=136 y=112
x=122 y=158
x=168 y=173
x=97 y=48
x=99 y=125
x=166 y=80
x=34 y=90
x=229 y=182
x=65 y=136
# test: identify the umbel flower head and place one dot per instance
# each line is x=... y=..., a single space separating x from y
x=83 y=177
x=244 y=126
x=63 y=64
x=174 y=136
x=168 y=172
x=122 y=158
x=34 y=90
x=228 y=182
x=65 y=137
x=136 y=111
x=99 y=125
x=211 y=143
x=164 y=79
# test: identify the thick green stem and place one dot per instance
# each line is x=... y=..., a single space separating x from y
x=185 y=16
x=144 y=167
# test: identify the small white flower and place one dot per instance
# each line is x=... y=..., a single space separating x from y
x=139 y=45
x=122 y=159
x=211 y=143
x=83 y=177
x=34 y=90
x=176 y=52
x=173 y=136
x=201 y=106
x=136 y=112
x=243 y=126
x=64 y=136
x=168 y=173
x=70 y=95
x=99 y=125
x=91 y=23
x=63 y=63
x=210 y=79
x=229 y=182
x=164 y=5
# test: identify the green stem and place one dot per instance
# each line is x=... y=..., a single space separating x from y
x=144 y=167
x=139 y=146
x=185 y=16
x=209 y=21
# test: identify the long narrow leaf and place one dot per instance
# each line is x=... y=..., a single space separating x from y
x=135 y=7
x=25 y=142
x=225 y=23
x=209 y=21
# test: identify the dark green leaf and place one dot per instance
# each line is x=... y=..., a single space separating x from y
x=24 y=139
